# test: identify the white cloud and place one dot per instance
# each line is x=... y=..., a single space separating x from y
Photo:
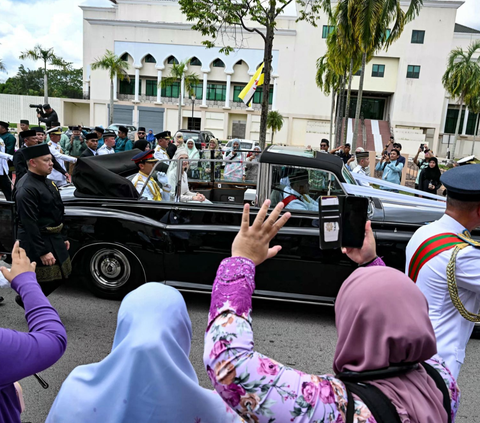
x=50 y=23
x=469 y=14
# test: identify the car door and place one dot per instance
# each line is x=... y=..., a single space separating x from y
x=7 y=226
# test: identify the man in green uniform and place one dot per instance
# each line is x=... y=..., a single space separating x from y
x=40 y=213
x=123 y=143
x=7 y=138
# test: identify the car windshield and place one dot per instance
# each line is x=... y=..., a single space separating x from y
x=348 y=176
x=190 y=136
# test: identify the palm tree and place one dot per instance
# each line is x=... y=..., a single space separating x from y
x=2 y=66
x=48 y=57
x=461 y=79
x=364 y=25
x=329 y=82
x=116 y=67
x=178 y=74
x=473 y=103
x=274 y=122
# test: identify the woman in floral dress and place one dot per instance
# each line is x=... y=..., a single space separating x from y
x=235 y=167
x=381 y=319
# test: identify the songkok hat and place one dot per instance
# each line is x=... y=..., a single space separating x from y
x=466 y=160
x=29 y=133
x=4 y=124
x=362 y=155
x=76 y=128
x=164 y=134
x=46 y=106
x=141 y=129
x=99 y=129
x=108 y=134
x=145 y=156
x=123 y=129
x=25 y=121
x=35 y=151
x=91 y=136
x=462 y=183
x=38 y=129
x=298 y=175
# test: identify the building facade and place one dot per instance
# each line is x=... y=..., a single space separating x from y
x=403 y=91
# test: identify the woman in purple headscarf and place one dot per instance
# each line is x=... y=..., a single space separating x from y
x=382 y=321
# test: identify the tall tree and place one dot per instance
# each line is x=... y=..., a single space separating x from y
x=49 y=58
x=229 y=20
x=178 y=74
x=371 y=25
x=116 y=67
x=274 y=122
x=462 y=78
x=2 y=66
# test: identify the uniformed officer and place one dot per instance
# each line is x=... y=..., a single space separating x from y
x=40 y=212
x=29 y=139
x=163 y=140
x=145 y=162
x=363 y=160
x=442 y=257
x=56 y=176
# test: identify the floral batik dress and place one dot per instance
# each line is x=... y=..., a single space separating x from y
x=260 y=389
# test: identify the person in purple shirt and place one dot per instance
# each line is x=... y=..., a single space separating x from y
x=24 y=353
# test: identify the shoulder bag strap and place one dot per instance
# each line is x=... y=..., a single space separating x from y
x=377 y=402
x=442 y=386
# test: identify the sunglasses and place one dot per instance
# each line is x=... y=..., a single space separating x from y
x=140 y=133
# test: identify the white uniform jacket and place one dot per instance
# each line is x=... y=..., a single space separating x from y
x=303 y=202
x=4 y=157
x=105 y=150
x=451 y=329
x=161 y=154
x=150 y=192
x=61 y=158
x=362 y=171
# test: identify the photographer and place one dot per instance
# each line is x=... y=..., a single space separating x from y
x=422 y=164
x=47 y=117
x=77 y=143
x=343 y=152
x=391 y=168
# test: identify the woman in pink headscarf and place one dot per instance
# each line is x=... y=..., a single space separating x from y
x=382 y=323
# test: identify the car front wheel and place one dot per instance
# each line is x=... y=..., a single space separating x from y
x=111 y=272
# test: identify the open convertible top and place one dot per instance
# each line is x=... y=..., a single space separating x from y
x=105 y=176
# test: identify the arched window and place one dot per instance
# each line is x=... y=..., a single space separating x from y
x=150 y=59
x=172 y=60
x=195 y=62
x=240 y=62
x=218 y=63
x=124 y=57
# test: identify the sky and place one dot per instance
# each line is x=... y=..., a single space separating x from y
x=58 y=24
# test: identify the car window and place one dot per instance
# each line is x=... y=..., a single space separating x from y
x=187 y=136
x=299 y=188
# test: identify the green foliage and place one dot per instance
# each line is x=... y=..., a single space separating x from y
x=2 y=66
x=65 y=82
x=113 y=64
x=46 y=55
x=177 y=72
x=274 y=122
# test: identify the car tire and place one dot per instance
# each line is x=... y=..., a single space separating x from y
x=476 y=331
x=110 y=271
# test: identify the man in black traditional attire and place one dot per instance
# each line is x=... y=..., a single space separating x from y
x=40 y=212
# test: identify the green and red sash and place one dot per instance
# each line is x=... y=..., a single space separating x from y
x=429 y=249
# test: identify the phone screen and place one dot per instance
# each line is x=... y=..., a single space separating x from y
x=354 y=218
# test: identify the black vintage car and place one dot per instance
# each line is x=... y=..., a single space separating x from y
x=120 y=240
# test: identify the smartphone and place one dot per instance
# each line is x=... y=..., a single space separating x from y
x=354 y=218
x=422 y=147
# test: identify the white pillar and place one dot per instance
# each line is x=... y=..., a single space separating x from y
x=465 y=121
x=274 y=100
x=204 y=88
x=182 y=90
x=159 y=88
x=137 y=84
x=227 y=94
x=115 y=79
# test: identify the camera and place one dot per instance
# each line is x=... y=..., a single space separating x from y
x=39 y=108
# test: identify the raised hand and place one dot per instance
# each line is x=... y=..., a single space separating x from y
x=20 y=264
x=253 y=242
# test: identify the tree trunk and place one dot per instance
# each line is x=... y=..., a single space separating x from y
x=180 y=99
x=457 y=129
x=267 y=71
x=110 y=117
x=45 y=84
x=338 y=138
x=332 y=110
x=359 y=103
x=271 y=141
x=475 y=134
x=347 y=109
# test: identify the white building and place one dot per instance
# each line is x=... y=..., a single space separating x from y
x=403 y=88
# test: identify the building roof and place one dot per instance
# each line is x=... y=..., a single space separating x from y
x=465 y=29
